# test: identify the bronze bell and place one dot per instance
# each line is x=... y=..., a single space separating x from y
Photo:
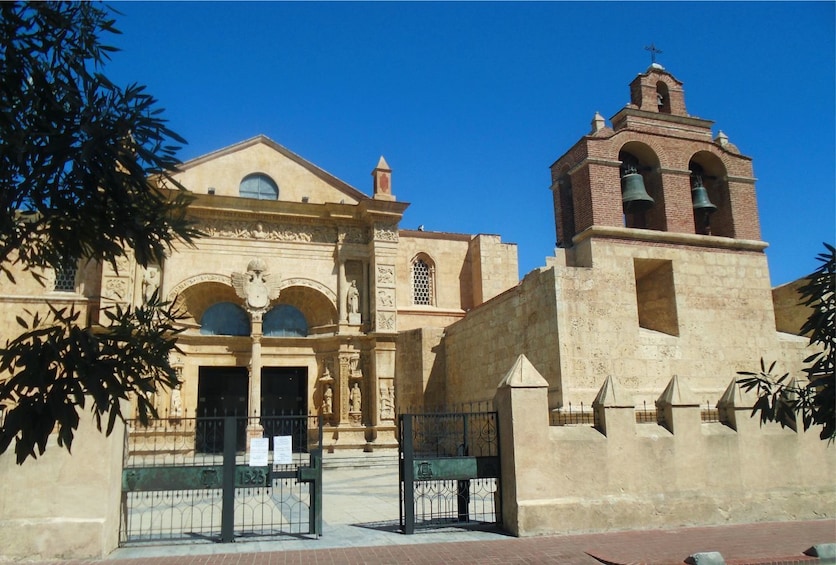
x=634 y=198
x=699 y=196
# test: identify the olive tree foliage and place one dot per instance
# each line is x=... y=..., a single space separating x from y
x=84 y=176
x=782 y=398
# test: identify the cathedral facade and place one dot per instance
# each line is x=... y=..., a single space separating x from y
x=301 y=280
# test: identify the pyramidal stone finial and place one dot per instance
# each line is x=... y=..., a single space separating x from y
x=677 y=393
x=382 y=176
x=523 y=375
x=734 y=396
x=611 y=396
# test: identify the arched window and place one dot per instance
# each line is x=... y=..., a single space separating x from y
x=258 y=186
x=225 y=318
x=422 y=282
x=285 y=321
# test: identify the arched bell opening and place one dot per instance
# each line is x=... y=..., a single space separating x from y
x=710 y=195
x=642 y=198
x=663 y=98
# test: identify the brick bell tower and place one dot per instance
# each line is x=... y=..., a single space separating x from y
x=657 y=168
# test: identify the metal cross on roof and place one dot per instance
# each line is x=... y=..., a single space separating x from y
x=653 y=52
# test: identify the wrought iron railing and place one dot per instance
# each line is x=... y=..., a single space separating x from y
x=179 y=482
x=573 y=415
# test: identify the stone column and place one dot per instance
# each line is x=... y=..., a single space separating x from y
x=254 y=428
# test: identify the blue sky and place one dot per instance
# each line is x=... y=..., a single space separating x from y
x=471 y=102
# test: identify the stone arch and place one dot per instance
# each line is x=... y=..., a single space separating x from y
x=319 y=309
x=646 y=161
x=714 y=175
x=196 y=294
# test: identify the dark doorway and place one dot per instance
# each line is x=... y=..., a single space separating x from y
x=284 y=390
x=221 y=391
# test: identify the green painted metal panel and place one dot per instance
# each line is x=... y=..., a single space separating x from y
x=455 y=468
x=191 y=478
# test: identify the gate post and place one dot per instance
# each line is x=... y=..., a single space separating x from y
x=407 y=474
x=315 y=508
x=228 y=497
x=463 y=487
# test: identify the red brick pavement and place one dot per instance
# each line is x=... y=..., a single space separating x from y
x=747 y=544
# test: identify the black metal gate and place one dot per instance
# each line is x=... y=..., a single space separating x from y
x=449 y=470
x=190 y=479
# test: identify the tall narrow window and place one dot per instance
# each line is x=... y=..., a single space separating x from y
x=258 y=186
x=65 y=276
x=422 y=282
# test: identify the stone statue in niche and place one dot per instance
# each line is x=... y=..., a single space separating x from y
x=326 y=372
x=355 y=400
x=352 y=303
x=353 y=298
x=176 y=410
x=328 y=401
x=150 y=282
x=354 y=369
x=256 y=286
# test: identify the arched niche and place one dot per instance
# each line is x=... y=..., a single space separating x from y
x=194 y=299
x=316 y=308
x=640 y=157
x=710 y=170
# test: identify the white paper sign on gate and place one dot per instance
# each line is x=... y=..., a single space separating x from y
x=259 y=449
x=282 y=450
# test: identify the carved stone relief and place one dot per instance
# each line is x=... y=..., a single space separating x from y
x=386 y=274
x=387 y=401
x=386 y=297
x=386 y=232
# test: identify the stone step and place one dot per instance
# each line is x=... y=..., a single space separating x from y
x=353 y=459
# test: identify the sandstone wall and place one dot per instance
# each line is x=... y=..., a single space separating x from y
x=63 y=506
x=624 y=475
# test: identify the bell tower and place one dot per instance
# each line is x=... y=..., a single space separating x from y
x=656 y=168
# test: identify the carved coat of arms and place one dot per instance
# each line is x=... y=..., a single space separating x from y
x=256 y=286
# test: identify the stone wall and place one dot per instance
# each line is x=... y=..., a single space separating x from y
x=640 y=310
x=63 y=506
x=624 y=475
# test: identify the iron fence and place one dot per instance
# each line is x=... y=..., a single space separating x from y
x=573 y=416
x=449 y=470
x=192 y=479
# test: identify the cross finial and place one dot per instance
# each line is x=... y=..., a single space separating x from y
x=653 y=52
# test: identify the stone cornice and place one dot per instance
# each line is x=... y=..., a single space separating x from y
x=653 y=236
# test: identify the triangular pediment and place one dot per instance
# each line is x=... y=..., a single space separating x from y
x=298 y=180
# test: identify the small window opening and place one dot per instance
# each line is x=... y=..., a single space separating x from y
x=656 y=295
